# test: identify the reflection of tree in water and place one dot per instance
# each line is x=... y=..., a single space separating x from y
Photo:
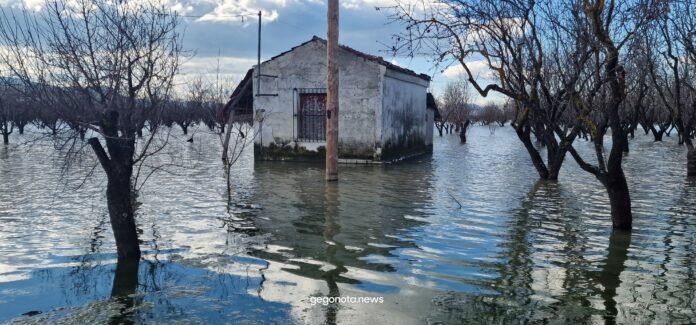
x=80 y=275
x=672 y=290
x=545 y=274
x=609 y=276
x=123 y=290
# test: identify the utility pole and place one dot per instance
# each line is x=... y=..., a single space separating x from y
x=332 y=92
x=258 y=60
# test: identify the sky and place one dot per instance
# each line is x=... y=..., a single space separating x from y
x=223 y=33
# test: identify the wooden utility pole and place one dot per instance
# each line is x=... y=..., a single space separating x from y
x=332 y=93
x=258 y=60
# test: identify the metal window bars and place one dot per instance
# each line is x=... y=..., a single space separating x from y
x=311 y=115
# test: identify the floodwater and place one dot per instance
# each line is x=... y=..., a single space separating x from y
x=465 y=235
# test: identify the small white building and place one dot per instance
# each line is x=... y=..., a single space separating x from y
x=382 y=107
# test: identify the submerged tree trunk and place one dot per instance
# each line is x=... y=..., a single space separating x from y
x=690 y=161
x=523 y=133
x=619 y=199
x=118 y=166
x=626 y=147
x=6 y=130
x=118 y=195
x=555 y=165
x=657 y=134
x=462 y=130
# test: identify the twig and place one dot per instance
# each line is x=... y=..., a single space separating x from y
x=455 y=199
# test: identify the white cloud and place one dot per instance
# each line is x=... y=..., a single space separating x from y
x=34 y=5
x=236 y=11
x=478 y=68
x=371 y=4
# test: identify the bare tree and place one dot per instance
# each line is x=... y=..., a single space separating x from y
x=613 y=26
x=114 y=59
x=455 y=106
x=560 y=62
x=671 y=58
x=531 y=48
x=8 y=106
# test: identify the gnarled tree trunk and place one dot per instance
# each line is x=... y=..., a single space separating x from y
x=523 y=133
x=619 y=199
x=118 y=166
x=118 y=196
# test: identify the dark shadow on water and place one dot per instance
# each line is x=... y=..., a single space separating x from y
x=610 y=276
x=124 y=288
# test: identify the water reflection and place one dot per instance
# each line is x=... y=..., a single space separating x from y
x=331 y=229
x=516 y=249
x=609 y=278
x=123 y=290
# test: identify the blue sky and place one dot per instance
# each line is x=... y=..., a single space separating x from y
x=227 y=30
x=286 y=23
x=224 y=33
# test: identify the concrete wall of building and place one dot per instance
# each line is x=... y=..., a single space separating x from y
x=404 y=116
x=430 y=126
x=360 y=100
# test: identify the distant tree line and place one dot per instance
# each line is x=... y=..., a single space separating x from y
x=18 y=109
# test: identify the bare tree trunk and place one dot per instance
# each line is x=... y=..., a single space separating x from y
x=626 y=147
x=656 y=134
x=555 y=166
x=5 y=138
x=537 y=161
x=118 y=196
x=690 y=159
x=462 y=130
x=619 y=199
x=118 y=166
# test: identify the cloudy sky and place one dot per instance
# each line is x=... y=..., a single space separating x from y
x=225 y=32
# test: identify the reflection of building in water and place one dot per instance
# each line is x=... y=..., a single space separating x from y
x=340 y=239
x=366 y=212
